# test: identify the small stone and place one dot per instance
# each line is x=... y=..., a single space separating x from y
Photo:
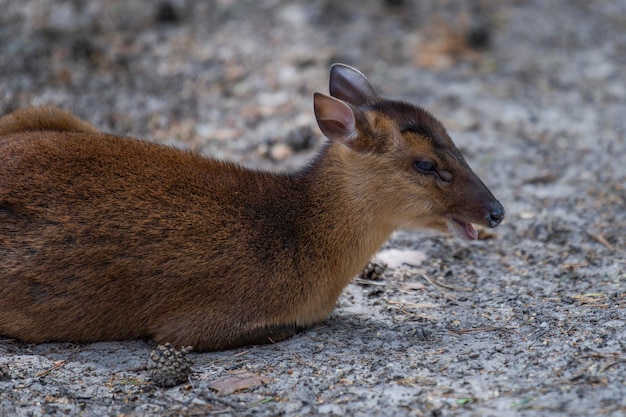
x=82 y=49
x=301 y=138
x=166 y=13
x=280 y=151
x=479 y=35
x=394 y=3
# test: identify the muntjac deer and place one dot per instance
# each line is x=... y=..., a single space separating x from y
x=110 y=238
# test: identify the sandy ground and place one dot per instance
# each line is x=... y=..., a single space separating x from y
x=529 y=320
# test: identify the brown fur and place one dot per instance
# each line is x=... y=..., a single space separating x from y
x=105 y=237
x=43 y=118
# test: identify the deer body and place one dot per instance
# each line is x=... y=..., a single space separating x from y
x=108 y=238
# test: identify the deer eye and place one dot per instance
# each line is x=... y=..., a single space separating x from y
x=424 y=166
x=427 y=167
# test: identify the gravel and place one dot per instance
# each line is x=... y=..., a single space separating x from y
x=529 y=320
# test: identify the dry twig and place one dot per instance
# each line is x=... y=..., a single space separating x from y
x=57 y=365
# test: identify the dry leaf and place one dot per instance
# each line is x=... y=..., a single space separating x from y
x=227 y=384
x=445 y=43
x=484 y=234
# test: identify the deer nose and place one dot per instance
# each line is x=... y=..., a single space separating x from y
x=495 y=216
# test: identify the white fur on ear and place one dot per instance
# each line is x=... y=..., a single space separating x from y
x=350 y=85
x=335 y=118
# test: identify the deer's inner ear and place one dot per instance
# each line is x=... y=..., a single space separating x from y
x=335 y=119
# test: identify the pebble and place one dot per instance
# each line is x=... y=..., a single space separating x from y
x=280 y=151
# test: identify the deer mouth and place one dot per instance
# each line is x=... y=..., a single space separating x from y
x=462 y=229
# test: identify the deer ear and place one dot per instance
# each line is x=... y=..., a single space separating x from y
x=335 y=119
x=350 y=85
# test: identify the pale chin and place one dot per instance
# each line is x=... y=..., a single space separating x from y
x=462 y=230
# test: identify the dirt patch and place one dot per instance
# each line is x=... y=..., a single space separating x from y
x=528 y=320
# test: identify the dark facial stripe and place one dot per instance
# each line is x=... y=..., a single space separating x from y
x=410 y=118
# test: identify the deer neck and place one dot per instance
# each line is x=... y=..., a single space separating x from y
x=347 y=220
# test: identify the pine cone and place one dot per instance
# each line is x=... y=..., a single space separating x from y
x=169 y=366
x=374 y=270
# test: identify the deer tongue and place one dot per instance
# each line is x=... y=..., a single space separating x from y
x=462 y=229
